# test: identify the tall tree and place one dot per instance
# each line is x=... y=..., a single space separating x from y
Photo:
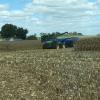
x=12 y=31
x=8 y=31
x=21 y=33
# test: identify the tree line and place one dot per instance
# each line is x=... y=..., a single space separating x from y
x=12 y=31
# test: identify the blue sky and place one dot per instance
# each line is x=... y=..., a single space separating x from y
x=52 y=15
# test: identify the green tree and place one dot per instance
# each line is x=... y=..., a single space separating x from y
x=21 y=33
x=8 y=31
x=48 y=36
x=32 y=37
x=98 y=34
x=12 y=31
x=80 y=34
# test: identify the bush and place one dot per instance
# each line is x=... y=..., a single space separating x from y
x=86 y=44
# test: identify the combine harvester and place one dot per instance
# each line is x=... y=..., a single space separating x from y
x=60 y=43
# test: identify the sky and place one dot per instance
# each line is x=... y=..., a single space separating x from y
x=52 y=15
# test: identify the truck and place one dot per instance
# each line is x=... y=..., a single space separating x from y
x=60 y=43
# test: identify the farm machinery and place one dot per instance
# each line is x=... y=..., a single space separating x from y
x=60 y=43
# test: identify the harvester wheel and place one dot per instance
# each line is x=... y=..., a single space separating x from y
x=57 y=47
x=63 y=46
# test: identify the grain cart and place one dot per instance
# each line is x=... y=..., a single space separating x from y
x=59 y=43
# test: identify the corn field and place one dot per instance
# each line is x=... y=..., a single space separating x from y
x=86 y=44
x=62 y=74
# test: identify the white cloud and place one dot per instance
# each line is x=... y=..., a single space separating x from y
x=3 y=7
x=53 y=15
x=66 y=3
